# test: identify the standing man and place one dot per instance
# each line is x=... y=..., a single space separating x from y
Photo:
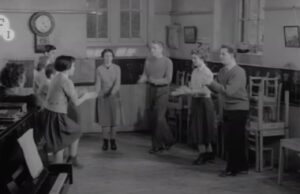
x=234 y=97
x=158 y=73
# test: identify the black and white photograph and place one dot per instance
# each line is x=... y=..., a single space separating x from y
x=149 y=96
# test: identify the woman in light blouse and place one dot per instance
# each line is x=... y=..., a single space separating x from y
x=202 y=118
x=108 y=103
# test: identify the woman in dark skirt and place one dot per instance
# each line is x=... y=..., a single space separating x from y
x=202 y=120
x=108 y=103
x=60 y=131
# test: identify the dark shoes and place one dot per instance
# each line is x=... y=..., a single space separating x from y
x=204 y=157
x=105 y=145
x=74 y=162
x=227 y=173
x=113 y=145
x=156 y=150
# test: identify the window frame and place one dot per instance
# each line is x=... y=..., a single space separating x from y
x=114 y=36
x=244 y=18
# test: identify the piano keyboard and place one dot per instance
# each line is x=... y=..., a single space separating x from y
x=59 y=183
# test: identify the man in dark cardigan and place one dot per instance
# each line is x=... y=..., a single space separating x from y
x=231 y=86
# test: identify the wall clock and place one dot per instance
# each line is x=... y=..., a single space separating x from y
x=41 y=25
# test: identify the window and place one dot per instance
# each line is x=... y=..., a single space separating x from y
x=130 y=17
x=251 y=22
x=97 y=19
x=117 y=21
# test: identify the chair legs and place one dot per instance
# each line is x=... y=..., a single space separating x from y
x=281 y=164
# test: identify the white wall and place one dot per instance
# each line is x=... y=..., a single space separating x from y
x=68 y=35
x=214 y=19
x=276 y=17
x=197 y=13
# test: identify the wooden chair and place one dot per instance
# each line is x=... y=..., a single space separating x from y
x=271 y=90
x=259 y=128
x=264 y=118
x=180 y=78
x=175 y=107
x=286 y=144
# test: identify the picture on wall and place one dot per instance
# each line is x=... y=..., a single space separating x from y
x=190 y=34
x=291 y=36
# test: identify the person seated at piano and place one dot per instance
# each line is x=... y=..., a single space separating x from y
x=60 y=131
x=12 y=79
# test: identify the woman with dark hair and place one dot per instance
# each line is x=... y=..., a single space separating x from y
x=108 y=109
x=12 y=85
x=202 y=121
x=50 y=52
x=60 y=130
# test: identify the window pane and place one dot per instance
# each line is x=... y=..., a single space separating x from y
x=102 y=25
x=135 y=24
x=135 y=4
x=91 y=4
x=91 y=25
x=125 y=25
x=251 y=32
x=125 y=4
x=102 y=4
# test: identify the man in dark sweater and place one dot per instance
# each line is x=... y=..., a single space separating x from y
x=231 y=86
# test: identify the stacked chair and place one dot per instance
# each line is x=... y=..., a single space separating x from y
x=265 y=118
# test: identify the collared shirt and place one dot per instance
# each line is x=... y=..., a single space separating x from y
x=108 y=78
x=200 y=77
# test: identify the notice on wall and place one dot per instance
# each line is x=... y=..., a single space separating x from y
x=5 y=31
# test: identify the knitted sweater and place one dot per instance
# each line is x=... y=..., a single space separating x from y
x=232 y=87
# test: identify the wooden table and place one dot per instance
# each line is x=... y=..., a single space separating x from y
x=291 y=144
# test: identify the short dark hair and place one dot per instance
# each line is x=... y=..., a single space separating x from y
x=11 y=75
x=63 y=63
x=49 y=47
x=230 y=49
x=107 y=50
x=49 y=70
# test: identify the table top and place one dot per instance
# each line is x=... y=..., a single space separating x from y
x=292 y=143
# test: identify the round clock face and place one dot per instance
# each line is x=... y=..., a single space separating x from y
x=42 y=23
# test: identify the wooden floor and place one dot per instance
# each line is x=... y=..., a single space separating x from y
x=132 y=170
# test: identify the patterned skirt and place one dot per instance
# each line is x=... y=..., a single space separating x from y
x=59 y=130
x=202 y=122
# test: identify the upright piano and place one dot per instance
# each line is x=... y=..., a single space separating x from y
x=14 y=174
